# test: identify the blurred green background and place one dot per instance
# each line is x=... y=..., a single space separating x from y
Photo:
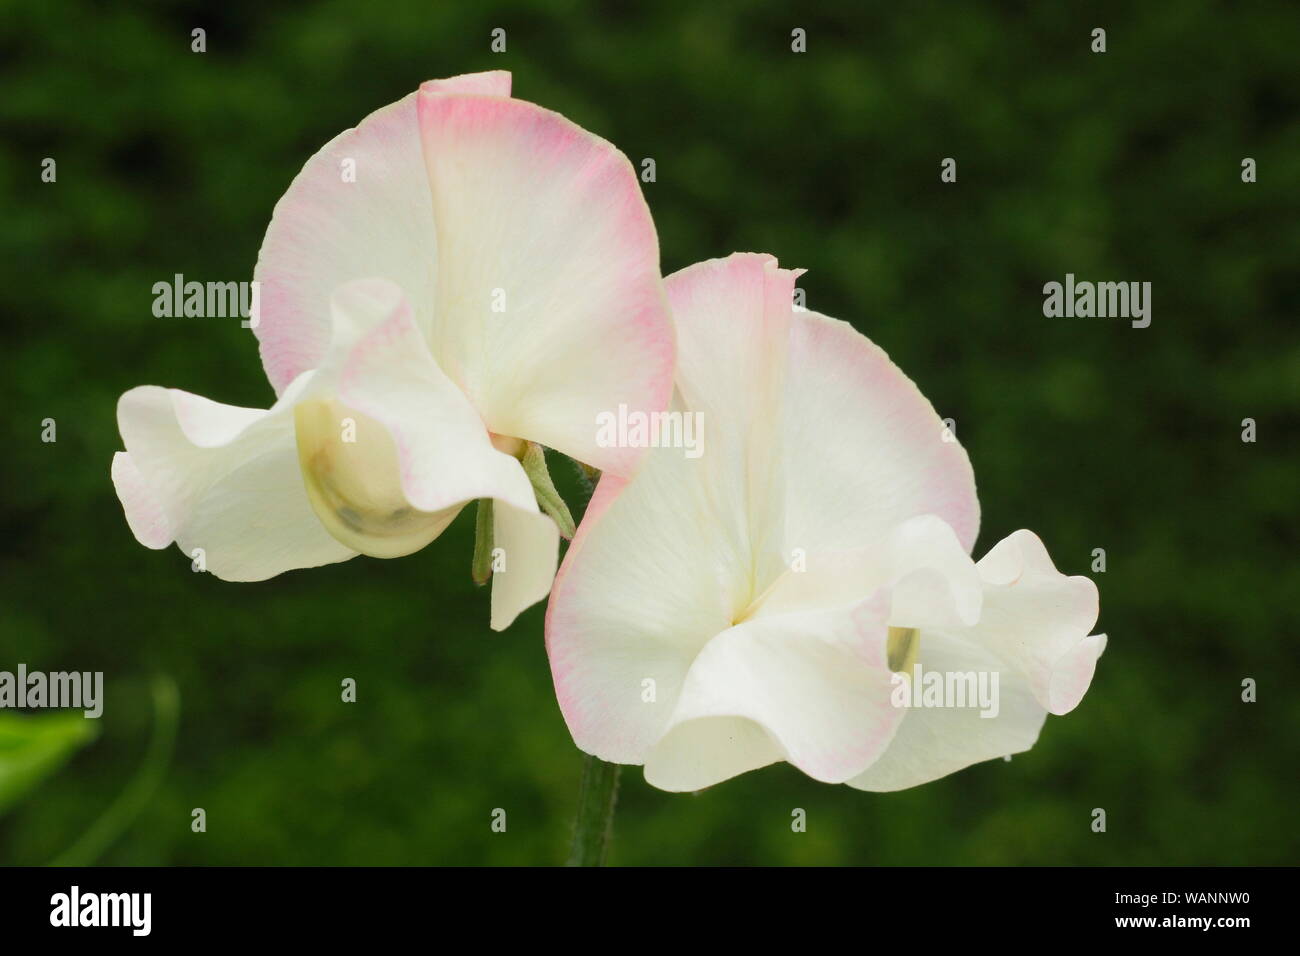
x=1122 y=166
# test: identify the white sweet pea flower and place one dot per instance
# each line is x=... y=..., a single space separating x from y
x=763 y=602
x=459 y=276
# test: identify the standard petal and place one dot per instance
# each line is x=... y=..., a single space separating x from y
x=489 y=83
x=360 y=207
x=864 y=449
x=221 y=479
x=815 y=682
x=733 y=326
x=549 y=305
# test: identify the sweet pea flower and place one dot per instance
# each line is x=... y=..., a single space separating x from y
x=458 y=281
x=765 y=601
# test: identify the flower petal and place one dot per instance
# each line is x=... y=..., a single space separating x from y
x=932 y=580
x=733 y=325
x=530 y=542
x=933 y=742
x=549 y=306
x=445 y=454
x=864 y=448
x=647 y=580
x=816 y=682
x=219 y=478
x=360 y=207
x=1039 y=619
x=489 y=83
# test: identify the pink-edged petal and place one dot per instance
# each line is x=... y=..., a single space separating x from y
x=144 y=513
x=816 y=682
x=1039 y=619
x=489 y=83
x=864 y=449
x=649 y=578
x=221 y=479
x=360 y=207
x=549 y=307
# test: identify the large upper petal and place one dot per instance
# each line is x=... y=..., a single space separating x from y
x=864 y=449
x=549 y=305
x=328 y=229
x=469 y=200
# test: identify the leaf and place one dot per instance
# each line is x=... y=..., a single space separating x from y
x=32 y=748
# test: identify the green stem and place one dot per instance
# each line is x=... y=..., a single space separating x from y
x=115 y=820
x=481 y=567
x=534 y=462
x=594 y=828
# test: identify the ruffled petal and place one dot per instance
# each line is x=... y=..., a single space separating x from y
x=221 y=479
x=933 y=742
x=815 y=682
x=374 y=452
x=1039 y=619
x=932 y=580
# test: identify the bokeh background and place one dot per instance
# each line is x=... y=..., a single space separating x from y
x=1122 y=166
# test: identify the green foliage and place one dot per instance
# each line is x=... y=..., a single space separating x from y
x=32 y=748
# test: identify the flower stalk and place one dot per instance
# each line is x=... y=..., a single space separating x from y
x=594 y=828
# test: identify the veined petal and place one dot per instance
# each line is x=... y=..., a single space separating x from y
x=549 y=305
x=815 y=682
x=864 y=449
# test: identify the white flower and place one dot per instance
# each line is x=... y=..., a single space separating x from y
x=484 y=275
x=716 y=615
